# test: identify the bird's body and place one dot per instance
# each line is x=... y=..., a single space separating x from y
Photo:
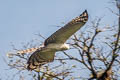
x=56 y=42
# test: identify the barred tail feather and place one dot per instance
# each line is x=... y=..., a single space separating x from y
x=29 y=50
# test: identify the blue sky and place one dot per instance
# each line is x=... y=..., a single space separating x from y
x=21 y=19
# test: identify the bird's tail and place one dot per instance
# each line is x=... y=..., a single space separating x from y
x=29 y=50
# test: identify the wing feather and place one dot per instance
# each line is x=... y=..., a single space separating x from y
x=40 y=57
x=61 y=35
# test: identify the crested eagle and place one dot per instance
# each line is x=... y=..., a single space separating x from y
x=54 y=43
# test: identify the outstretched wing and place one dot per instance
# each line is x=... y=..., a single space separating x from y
x=68 y=30
x=40 y=57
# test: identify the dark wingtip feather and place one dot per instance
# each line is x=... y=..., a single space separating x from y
x=85 y=10
x=84 y=16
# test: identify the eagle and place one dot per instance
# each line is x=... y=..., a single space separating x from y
x=56 y=42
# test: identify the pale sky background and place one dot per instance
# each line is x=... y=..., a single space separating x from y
x=21 y=19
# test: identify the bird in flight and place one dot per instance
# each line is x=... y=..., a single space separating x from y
x=54 y=43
